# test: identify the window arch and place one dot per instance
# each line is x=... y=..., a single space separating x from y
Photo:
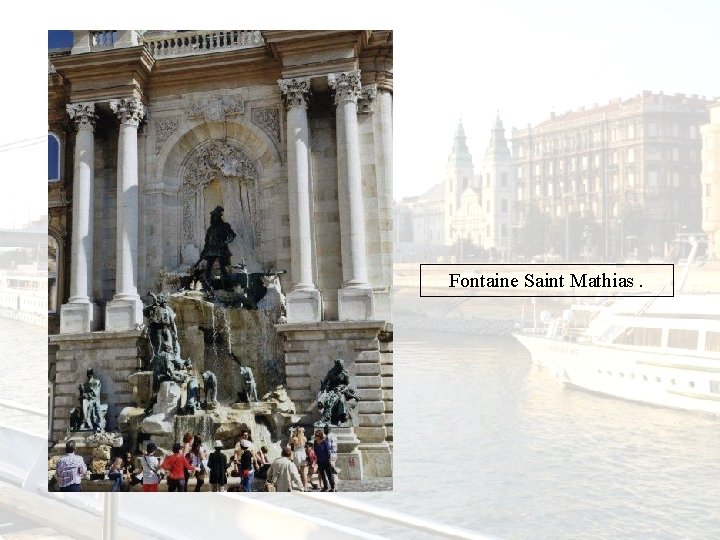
x=53 y=157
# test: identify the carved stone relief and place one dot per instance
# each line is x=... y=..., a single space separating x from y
x=215 y=108
x=268 y=119
x=220 y=172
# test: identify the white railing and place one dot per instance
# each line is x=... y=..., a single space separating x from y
x=193 y=42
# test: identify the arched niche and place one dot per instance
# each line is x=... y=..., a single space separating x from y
x=234 y=164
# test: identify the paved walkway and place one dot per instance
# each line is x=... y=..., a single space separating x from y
x=348 y=486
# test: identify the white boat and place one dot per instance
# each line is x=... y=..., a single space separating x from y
x=659 y=350
x=663 y=351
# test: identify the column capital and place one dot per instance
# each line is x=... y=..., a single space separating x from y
x=368 y=93
x=129 y=111
x=346 y=85
x=295 y=91
x=83 y=114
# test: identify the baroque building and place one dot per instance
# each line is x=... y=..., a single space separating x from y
x=632 y=166
x=469 y=212
x=711 y=180
x=290 y=131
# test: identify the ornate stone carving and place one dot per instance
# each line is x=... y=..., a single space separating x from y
x=295 y=91
x=367 y=98
x=215 y=108
x=268 y=119
x=83 y=114
x=227 y=163
x=129 y=111
x=163 y=129
x=346 y=85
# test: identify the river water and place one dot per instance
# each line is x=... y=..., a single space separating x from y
x=23 y=372
x=487 y=441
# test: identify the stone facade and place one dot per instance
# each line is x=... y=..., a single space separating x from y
x=634 y=157
x=711 y=181
x=290 y=131
x=366 y=348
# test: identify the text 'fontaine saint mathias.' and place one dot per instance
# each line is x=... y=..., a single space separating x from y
x=547 y=281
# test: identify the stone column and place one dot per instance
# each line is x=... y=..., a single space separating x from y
x=80 y=314
x=355 y=299
x=124 y=311
x=303 y=301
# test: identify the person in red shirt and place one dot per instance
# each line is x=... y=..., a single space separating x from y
x=176 y=465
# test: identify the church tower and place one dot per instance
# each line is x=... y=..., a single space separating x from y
x=498 y=191
x=459 y=175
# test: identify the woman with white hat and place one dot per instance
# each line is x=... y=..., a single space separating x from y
x=218 y=463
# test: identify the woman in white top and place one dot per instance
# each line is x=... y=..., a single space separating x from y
x=150 y=466
x=298 y=441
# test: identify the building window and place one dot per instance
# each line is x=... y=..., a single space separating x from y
x=631 y=131
x=683 y=339
x=487 y=181
x=631 y=155
x=503 y=180
x=53 y=158
x=53 y=273
x=504 y=206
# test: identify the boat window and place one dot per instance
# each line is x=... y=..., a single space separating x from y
x=712 y=341
x=640 y=337
x=682 y=339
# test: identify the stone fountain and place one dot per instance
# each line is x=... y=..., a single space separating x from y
x=212 y=349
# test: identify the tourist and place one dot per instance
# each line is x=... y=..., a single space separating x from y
x=309 y=467
x=261 y=463
x=187 y=446
x=70 y=469
x=298 y=447
x=176 y=465
x=218 y=463
x=332 y=441
x=283 y=474
x=150 y=465
x=235 y=460
x=322 y=452
x=116 y=474
x=247 y=473
x=129 y=462
x=197 y=457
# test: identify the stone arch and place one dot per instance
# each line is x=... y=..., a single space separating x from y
x=263 y=164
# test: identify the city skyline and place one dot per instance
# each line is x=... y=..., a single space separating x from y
x=547 y=60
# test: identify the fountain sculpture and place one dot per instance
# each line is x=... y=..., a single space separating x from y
x=232 y=353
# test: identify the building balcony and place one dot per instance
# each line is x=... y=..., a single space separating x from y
x=164 y=44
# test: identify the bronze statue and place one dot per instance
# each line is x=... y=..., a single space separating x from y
x=336 y=398
x=162 y=329
x=93 y=418
x=210 y=384
x=217 y=239
x=249 y=392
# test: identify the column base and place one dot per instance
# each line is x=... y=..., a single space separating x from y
x=304 y=305
x=377 y=459
x=79 y=318
x=123 y=314
x=349 y=458
x=356 y=304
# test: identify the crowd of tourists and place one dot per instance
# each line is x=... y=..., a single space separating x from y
x=303 y=465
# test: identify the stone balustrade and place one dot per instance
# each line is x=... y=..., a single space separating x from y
x=193 y=42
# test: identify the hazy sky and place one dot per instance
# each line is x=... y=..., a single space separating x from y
x=526 y=59
x=521 y=58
